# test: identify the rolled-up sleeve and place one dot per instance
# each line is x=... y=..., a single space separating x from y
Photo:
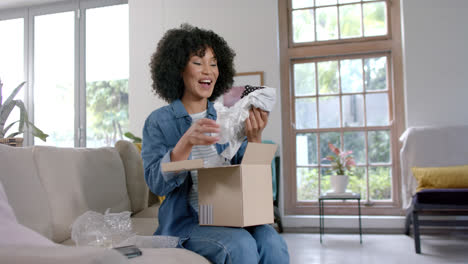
x=156 y=150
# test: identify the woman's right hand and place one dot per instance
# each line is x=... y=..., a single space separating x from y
x=195 y=135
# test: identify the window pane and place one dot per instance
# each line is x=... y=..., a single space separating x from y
x=302 y=3
x=325 y=185
x=375 y=22
x=307 y=184
x=375 y=73
x=106 y=75
x=353 y=110
x=380 y=183
x=325 y=2
x=379 y=146
x=348 y=1
x=351 y=76
x=355 y=141
x=377 y=109
x=329 y=111
x=350 y=21
x=304 y=79
x=306 y=149
x=303 y=25
x=54 y=65
x=12 y=65
x=357 y=181
x=325 y=138
x=328 y=77
x=327 y=27
x=306 y=113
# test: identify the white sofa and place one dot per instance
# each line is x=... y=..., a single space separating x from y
x=49 y=187
x=430 y=147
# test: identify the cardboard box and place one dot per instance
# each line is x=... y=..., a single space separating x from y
x=234 y=195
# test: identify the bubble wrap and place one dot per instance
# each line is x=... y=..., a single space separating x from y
x=156 y=241
x=108 y=230
x=231 y=119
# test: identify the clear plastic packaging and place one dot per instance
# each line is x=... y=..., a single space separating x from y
x=108 y=230
x=114 y=230
x=231 y=119
x=156 y=241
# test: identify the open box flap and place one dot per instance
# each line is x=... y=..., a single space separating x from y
x=257 y=153
x=183 y=165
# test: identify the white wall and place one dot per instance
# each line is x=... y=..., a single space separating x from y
x=250 y=28
x=435 y=51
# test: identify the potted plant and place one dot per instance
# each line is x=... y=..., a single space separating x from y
x=136 y=140
x=341 y=166
x=5 y=111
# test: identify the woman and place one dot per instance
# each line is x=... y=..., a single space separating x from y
x=190 y=68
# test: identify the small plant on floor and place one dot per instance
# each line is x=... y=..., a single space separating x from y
x=5 y=110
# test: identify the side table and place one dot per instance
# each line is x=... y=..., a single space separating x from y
x=344 y=196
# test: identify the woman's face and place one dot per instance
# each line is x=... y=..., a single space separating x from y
x=200 y=75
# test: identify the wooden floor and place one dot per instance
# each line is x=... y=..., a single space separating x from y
x=337 y=248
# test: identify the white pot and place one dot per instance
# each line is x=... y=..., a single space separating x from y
x=339 y=183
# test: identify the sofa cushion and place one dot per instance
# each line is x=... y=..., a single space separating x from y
x=24 y=189
x=13 y=233
x=144 y=226
x=67 y=255
x=148 y=212
x=133 y=164
x=442 y=196
x=441 y=177
x=80 y=179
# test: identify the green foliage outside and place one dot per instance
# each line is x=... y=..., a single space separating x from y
x=374 y=19
x=328 y=77
x=375 y=73
x=107 y=111
x=326 y=23
x=380 y=182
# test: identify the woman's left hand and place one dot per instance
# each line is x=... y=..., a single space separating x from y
x=255 y=124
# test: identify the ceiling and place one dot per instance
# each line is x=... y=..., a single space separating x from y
x=6 y=4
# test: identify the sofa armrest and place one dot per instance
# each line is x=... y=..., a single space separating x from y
x=60 y=255
x=133 y=164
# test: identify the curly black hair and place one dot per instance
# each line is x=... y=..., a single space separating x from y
x=174 y=51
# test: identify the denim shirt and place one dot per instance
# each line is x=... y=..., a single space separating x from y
x=163 y=129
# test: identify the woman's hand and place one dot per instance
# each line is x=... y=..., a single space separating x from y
x=255 y=124
x=195 y=135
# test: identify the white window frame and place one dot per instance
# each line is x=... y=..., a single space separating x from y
x=28 y=13
x=289 y=52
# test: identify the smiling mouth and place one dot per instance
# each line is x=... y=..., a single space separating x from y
x=205 y=83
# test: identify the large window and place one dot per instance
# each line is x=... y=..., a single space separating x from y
x=341 y=60
x=54 y=75
x=106 y=74
x=77 y=72
x=12 y=63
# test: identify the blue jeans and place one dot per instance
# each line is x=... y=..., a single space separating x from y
x=231 y=245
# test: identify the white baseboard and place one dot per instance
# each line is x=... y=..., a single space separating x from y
x=344 y=221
